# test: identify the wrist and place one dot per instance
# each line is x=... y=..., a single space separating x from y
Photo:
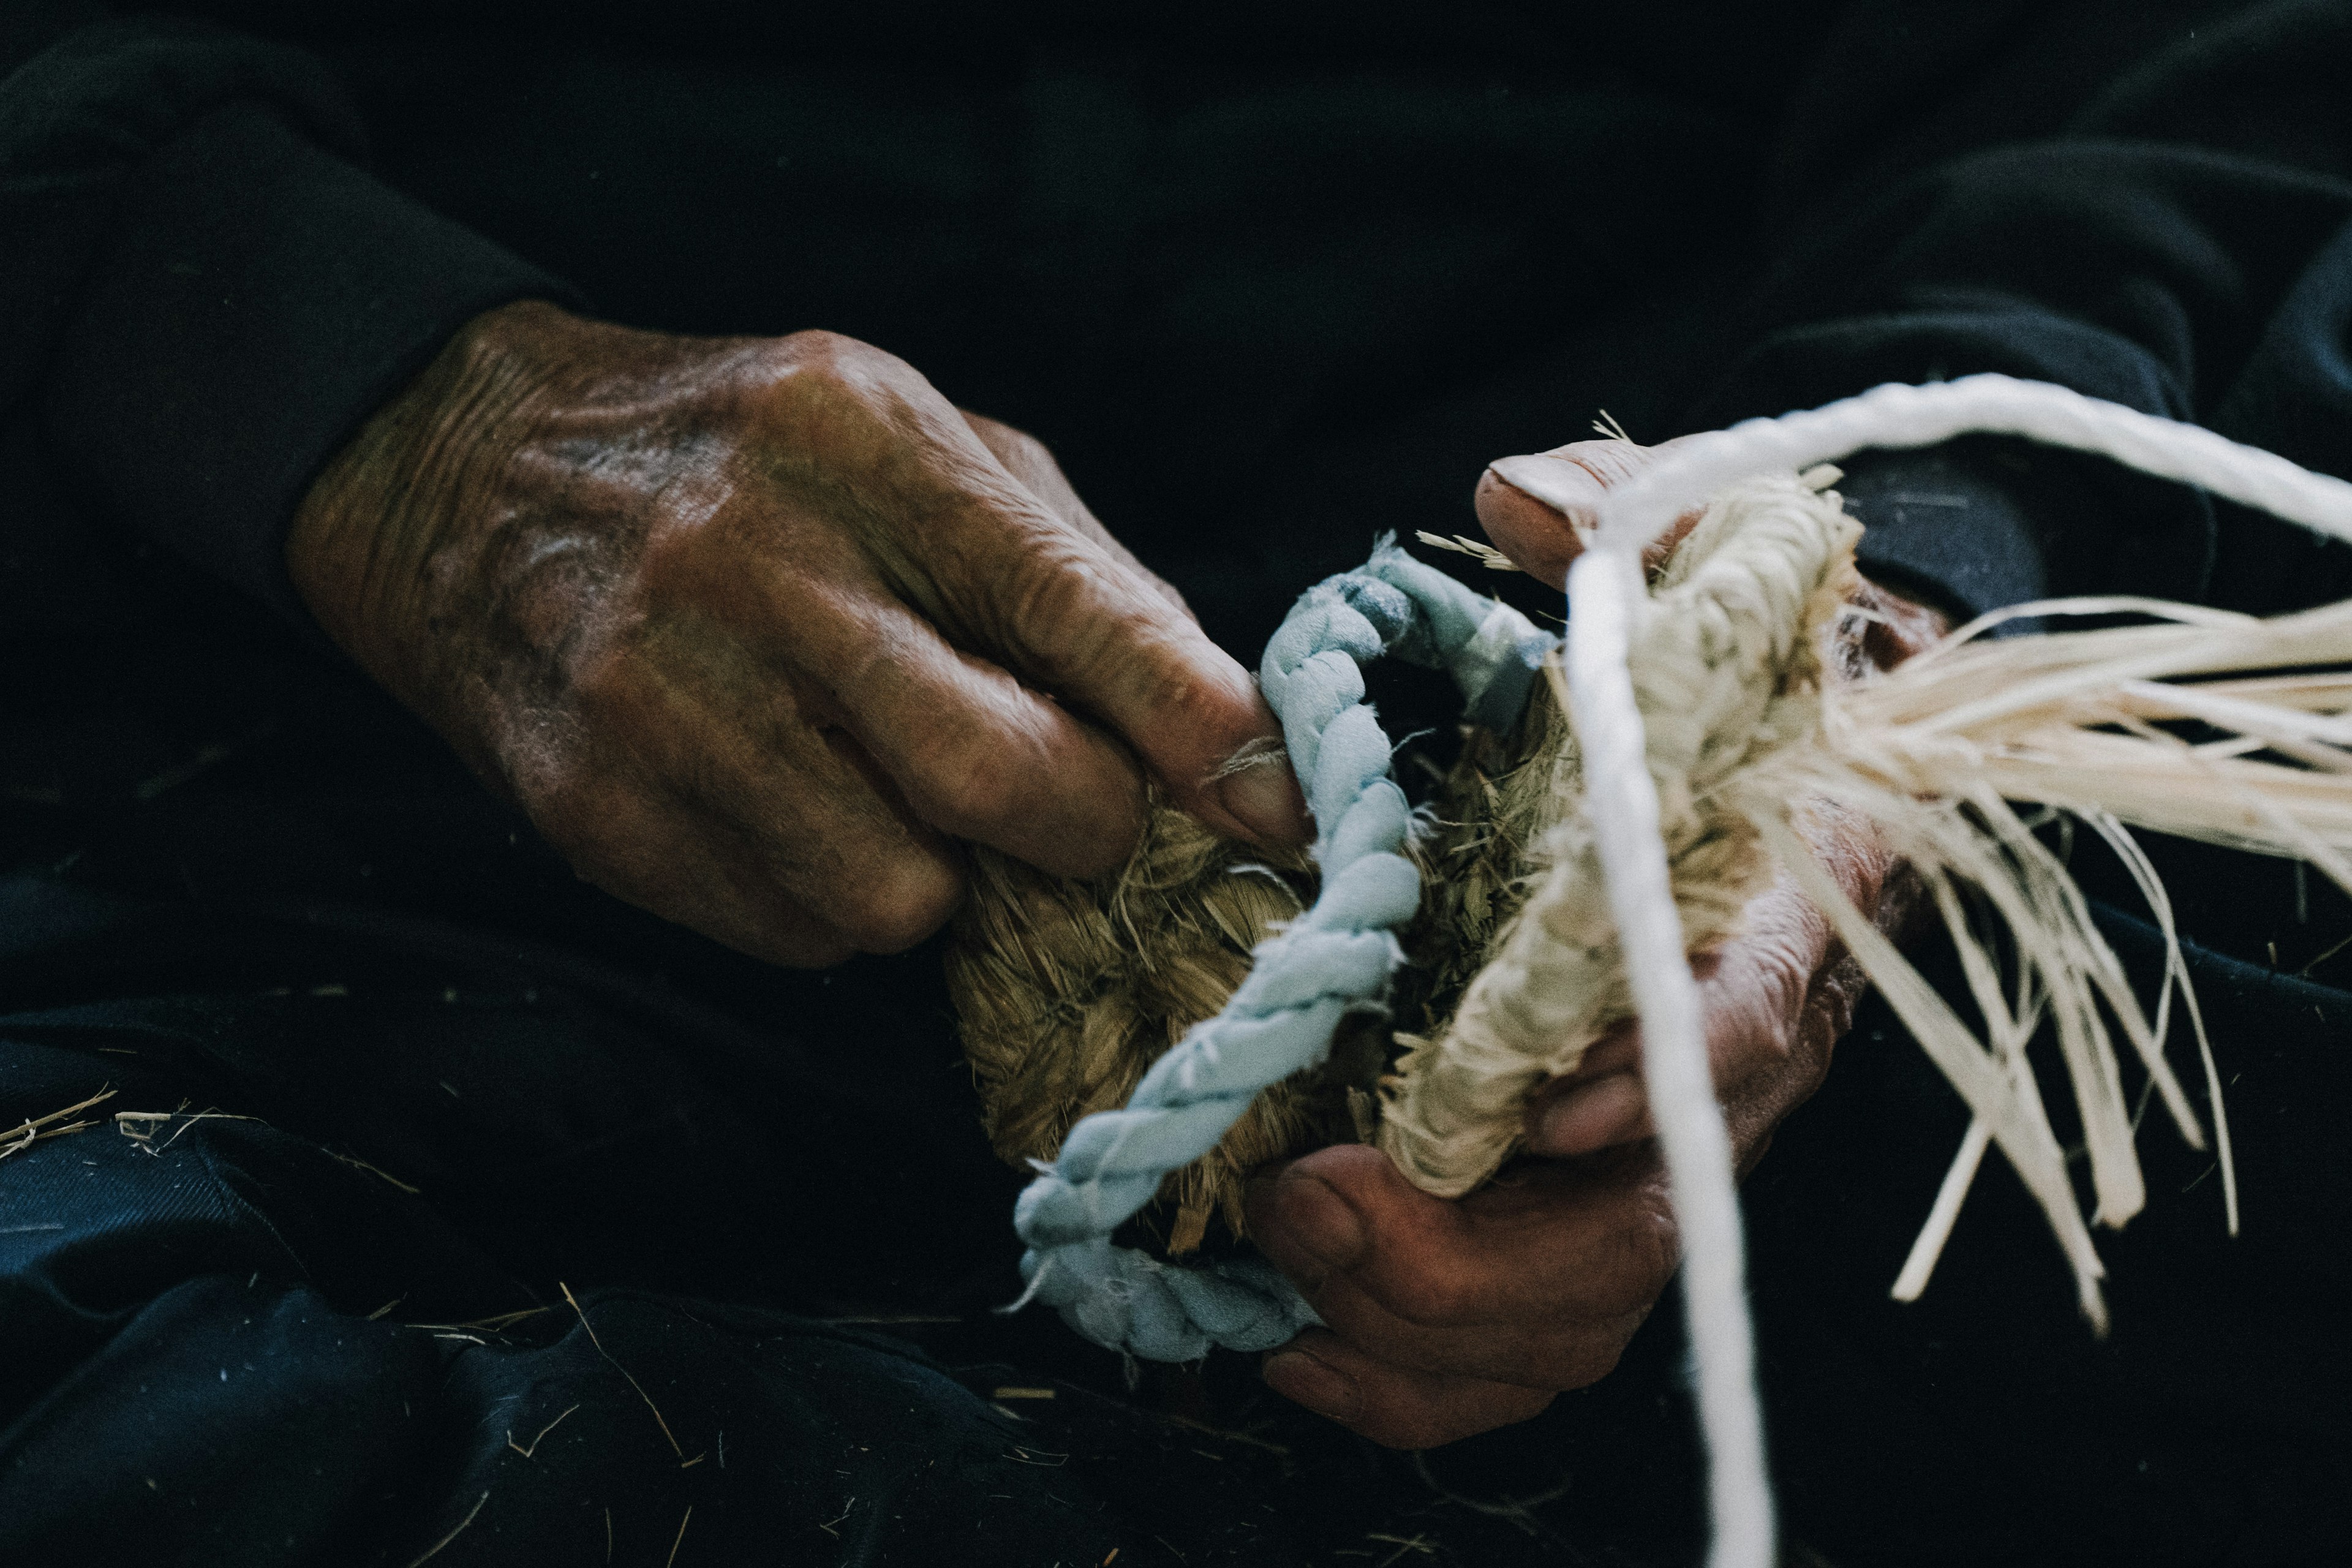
x=375 y=538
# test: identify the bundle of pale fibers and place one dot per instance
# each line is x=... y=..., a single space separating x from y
x=1727 y=666
x=1067 y=990
x=1702 y=727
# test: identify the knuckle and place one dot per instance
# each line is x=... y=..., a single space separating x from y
x=1079 y=618
x=1646 y=1249
x=813 y=379
x=1057 y=579
x=1585 y=1362
x=1425 y=1292
x=1770 y=1011
x=891 y=909
x=821 y=355
x=967 y=789
x=1014 y=447
x=1830 y=1013
x=1059 y=607
x=1024 y=457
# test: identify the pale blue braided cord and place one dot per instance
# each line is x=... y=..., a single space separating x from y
x=1334 y=959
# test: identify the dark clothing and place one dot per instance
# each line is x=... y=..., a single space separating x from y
x=1266 y=297
x=204 y=300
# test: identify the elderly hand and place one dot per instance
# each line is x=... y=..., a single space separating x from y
x=1449 y=1318
x=756 y=628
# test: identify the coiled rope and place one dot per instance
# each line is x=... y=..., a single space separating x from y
x=1338 y=957
x=1335 y=959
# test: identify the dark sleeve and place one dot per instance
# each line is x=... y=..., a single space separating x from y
x=202 y=297
x=2151 y=203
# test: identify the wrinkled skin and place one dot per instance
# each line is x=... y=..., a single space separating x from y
x=1449 y=1317
x=757 y=629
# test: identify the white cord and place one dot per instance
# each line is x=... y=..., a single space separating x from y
x=1604 y=587
x=1605 y=591
x=1899 y=415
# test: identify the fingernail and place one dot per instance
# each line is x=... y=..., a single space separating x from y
x=1561 y=485
x=1265 y=798
x=1322 y=1224
x=1602 y=1112
x=1316 y=1383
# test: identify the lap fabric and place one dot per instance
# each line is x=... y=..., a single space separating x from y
x=240 y=1336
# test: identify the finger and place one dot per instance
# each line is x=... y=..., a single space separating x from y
x=1079 y=623
x=1760 y=1077
x=1006 y=577
x=975 y=754
x=1394 y=1407
x=1549 y=1353
x=1590 y=1242
x=1597 y=1113
x=650 y=849
x=791 y=817
x=843 y=843
x=1536 y=506
x=968 y=751
x=1033 y=467
x=1752 y=992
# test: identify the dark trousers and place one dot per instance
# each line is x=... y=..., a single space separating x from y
x=418 y=1081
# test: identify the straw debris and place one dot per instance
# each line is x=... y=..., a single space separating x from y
x=32 y=1131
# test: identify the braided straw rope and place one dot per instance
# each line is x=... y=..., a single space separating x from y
x=1727 y=667
x=1604 y=586
x=1699 y=723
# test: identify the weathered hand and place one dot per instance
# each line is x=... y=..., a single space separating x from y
x=1449 y=1317
x=755 y=629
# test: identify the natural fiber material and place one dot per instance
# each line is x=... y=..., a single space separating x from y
x=1068 y=991
x=1331 y=965
x=1727 y=664
x=1603 y=587
x=1703 y=730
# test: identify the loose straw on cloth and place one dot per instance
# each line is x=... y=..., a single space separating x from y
x=1339 y=956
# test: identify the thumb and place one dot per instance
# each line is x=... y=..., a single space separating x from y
x=1536 y=507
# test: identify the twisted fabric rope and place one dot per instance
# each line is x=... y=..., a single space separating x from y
x=1335 y=959
x=1340 y=955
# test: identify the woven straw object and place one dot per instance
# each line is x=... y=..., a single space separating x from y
x=1573 y=865
x=1068 y=991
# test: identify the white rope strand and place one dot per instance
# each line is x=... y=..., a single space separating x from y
x=1605 y=589
x=1900 y=417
